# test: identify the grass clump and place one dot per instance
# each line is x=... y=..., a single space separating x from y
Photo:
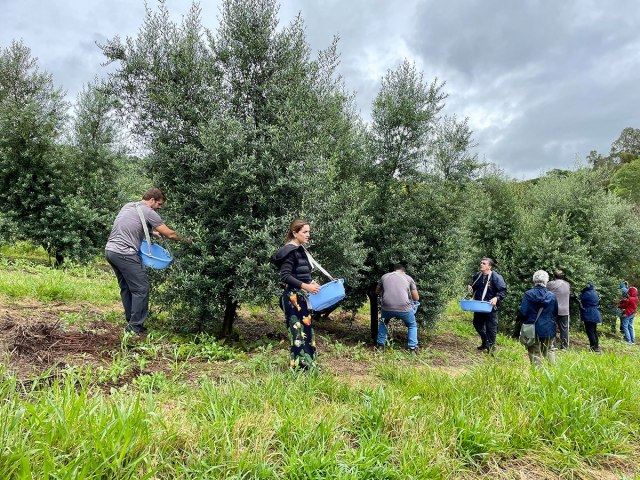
x=71 y=284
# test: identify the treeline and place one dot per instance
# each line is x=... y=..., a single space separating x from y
x=244 y=129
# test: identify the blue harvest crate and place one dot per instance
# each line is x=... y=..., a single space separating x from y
x=329 y=294
x=157 y=257
x=476 y=306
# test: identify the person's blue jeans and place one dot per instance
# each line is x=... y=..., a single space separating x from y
x=409 y=319
x=626 y=325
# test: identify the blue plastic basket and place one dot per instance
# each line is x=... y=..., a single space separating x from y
x=329 y=294
x=157 y=258
x=476 y=306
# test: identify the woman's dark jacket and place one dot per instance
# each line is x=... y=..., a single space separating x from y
x=534 y=299
x=589 y=305
x=293 y=264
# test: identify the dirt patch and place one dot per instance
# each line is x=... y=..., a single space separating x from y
x=33 y=346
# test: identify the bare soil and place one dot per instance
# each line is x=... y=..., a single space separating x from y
x=34 y=340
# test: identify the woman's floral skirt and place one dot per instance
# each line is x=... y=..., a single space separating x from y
x=298 y=322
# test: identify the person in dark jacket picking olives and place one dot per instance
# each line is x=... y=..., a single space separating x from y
x=487 y=285
x=295 y=268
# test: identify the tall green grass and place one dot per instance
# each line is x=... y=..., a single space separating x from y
x=71 y=284
x=412 y=422
x=249 y=417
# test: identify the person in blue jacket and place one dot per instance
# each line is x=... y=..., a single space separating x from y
x=489 y=286
x=540 y=306
x=590 y=315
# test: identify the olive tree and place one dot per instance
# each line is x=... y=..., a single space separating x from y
x=415 y=189
x=240 y=124
x=32 y=119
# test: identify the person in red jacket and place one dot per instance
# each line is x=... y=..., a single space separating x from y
x=629 y=305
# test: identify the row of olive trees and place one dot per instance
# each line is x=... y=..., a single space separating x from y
x=58 y=172
x=246 y=131
x=563 y=220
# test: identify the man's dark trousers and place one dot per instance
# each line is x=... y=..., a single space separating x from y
x=486 y=324
x=134 y=288
x=563 y=326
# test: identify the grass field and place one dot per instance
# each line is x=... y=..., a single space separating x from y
x=80 y=400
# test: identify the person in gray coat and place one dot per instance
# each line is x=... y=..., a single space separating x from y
x=561 y=289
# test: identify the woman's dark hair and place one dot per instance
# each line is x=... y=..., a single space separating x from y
x=295 y=227
x=559 y=275
x=155 y=194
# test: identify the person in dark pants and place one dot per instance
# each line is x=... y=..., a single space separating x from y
x=590 y=315
x=121 y=252
x=561 y=289
x=295 y=266
x=489 y=286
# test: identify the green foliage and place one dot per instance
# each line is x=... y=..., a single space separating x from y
x=242 y=122
x=572 y=223
x=32 y=116
x=627 y=146
x=626 y=181
x=416 y=181
x=55 y=192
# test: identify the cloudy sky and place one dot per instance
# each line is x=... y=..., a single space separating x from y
x=543 y=82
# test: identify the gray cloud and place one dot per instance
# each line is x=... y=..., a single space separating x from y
x=541 y=82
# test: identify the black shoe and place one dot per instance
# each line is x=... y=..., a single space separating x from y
x=137 y=331
x=379 y=347
x=414 y=350
x=482 y=347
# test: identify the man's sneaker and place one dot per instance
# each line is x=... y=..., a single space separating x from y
x=482 y=347
x=414 y=350
x=379 y=347
x=137 y=331
x=597 y=350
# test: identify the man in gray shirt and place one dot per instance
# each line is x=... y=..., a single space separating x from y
x=121 y=252
x=561 y=289
x=398 y=292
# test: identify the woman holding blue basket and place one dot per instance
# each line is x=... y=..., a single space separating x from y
x=295 y=266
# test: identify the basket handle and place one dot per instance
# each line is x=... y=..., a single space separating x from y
x=144 y=227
